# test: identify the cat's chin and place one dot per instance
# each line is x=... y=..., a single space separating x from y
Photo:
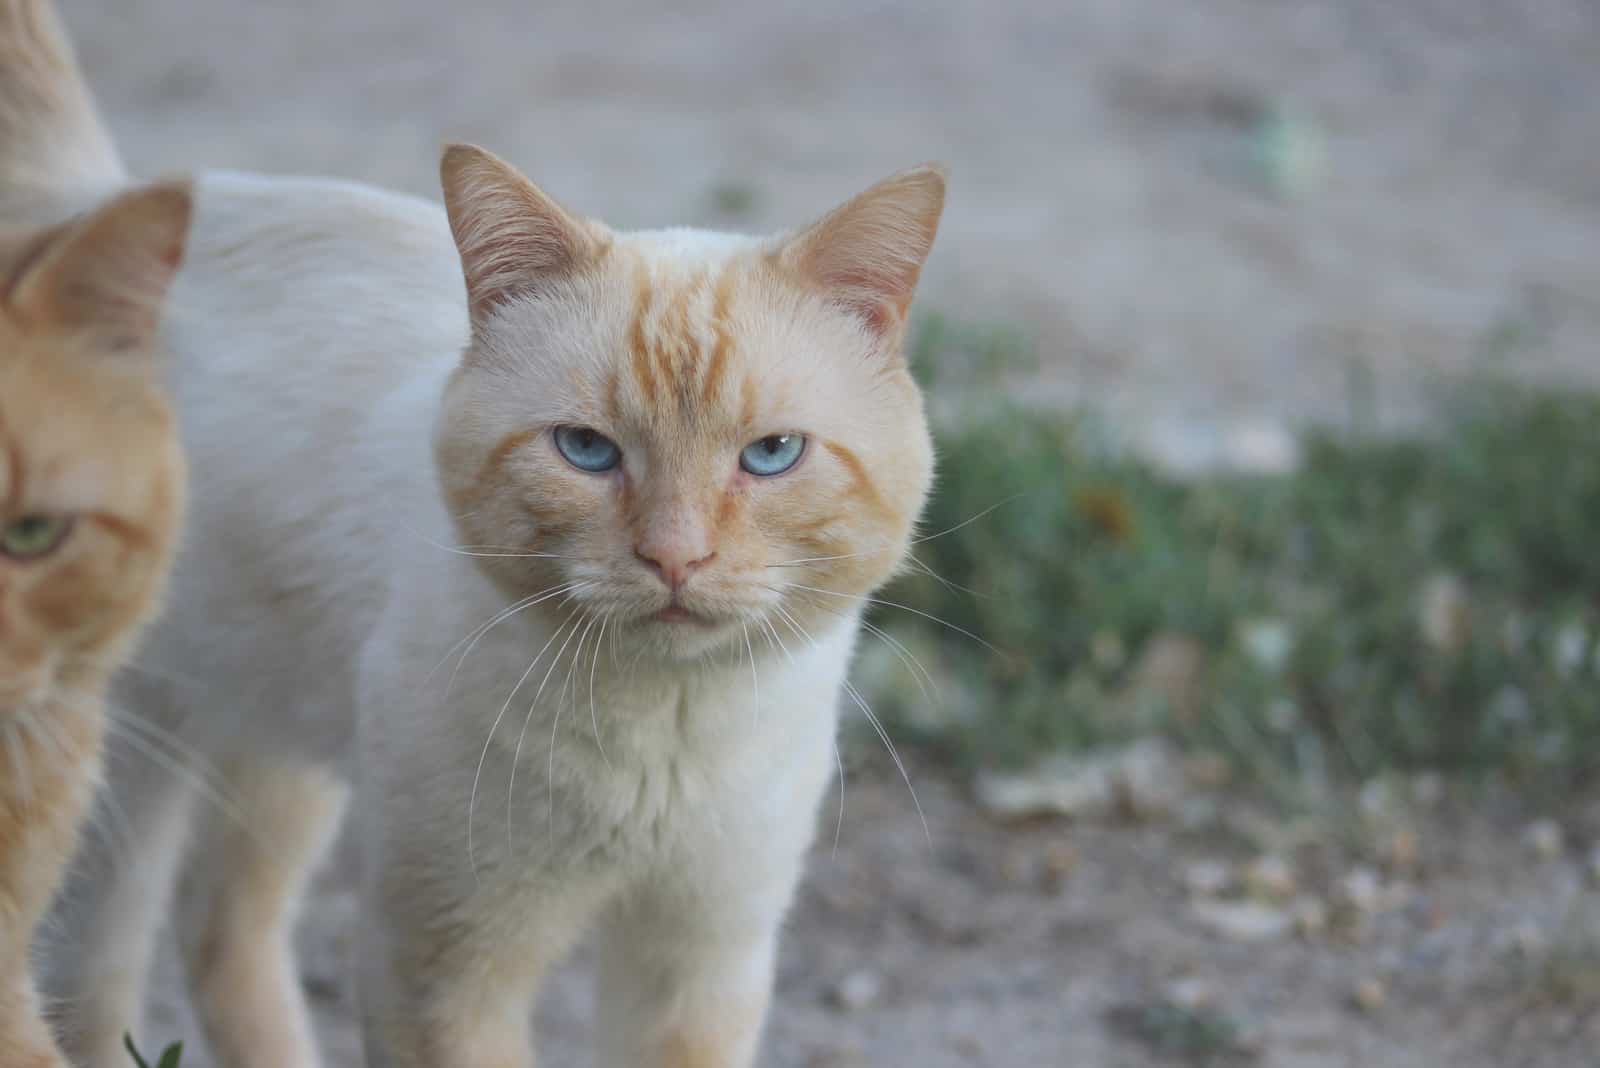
x=681 y=634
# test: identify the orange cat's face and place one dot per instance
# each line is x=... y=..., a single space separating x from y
x=91 y=474
x=705 y=437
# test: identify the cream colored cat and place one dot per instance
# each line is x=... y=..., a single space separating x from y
x=91 y=492
x=563 y=566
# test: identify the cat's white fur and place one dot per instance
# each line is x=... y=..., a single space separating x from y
x=320 y=604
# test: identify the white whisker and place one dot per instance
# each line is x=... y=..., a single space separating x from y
x=555 y=722
x=894 y=754
x=177 y=767
x=923 y=569
x=755 y=681
x=481 y=630
x=903 y=607
x=968 y=522
x=838 y=828
x=594 y=717
x=572 y=628
x=470 y=550
x=914 y=541
x=883 y=735
x=838 y=757
x=472 y=802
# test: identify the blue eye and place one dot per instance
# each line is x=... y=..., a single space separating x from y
x=586 y=449
x=772 y=455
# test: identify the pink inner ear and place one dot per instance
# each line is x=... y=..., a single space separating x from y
x=879 y=298
x=868 y=253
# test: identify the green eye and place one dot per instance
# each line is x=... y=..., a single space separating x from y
x=587 y=449
x=772 y=455
x=33 y=536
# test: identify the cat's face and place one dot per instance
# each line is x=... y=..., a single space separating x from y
x=91 y=475
x=712 y=439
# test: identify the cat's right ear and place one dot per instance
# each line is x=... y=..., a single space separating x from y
x=867 y=254
x=511 y=235
x=107 y=273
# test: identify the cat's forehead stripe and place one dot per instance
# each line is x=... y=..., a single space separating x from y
x=724 y=333
x=639 y=343
x=681 y=341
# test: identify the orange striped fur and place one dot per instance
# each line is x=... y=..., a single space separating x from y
x=86 y=436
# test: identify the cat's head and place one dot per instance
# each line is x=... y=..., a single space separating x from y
x=91 y=474
x=688 y=435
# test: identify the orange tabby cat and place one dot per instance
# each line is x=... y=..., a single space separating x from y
x=91 y=473
x=91 y=493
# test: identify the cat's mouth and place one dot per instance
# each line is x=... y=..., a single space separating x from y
x=677 y=613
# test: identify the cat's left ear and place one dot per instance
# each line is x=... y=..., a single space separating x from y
x=511 y=235
x=867 y=254
x=109 y=272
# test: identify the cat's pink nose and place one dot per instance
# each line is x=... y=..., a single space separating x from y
x=673 y=563
x=674 y=542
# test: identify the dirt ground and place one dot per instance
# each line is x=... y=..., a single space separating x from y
x=1433 y=201
x=1062 y=944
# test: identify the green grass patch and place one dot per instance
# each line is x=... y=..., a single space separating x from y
x=1432 y=602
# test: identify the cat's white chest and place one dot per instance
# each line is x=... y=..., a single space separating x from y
x=714 y=762
x=619 y=771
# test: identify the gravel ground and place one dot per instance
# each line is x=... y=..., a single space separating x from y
x=1207 y=215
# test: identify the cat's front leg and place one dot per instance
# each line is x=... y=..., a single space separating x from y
x=452 y=961
x=445 y=996
x=686 y=976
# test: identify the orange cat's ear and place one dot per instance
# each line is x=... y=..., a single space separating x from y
x=868 y=253
x=509 y=233
x=109 y=272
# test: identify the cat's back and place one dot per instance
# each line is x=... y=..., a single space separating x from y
x=311 y=316
x=320 y=260
x=311 y=330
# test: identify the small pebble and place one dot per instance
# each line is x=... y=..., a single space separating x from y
x=1310 y=916
x=1361 y=889
x=969 y=1046
x=1400 y=852
x=857 y=992
x=1544 y=837
x=1191 y=994
x=1525 y=939
x=1376 y=799
x=1427 y=789
x=1060 y=858
x=1270 y=878
x=1243 y=921
x=1207 y=878
x=1208 y=771
x=1445 y=613
x=1395 y=896
x=1370 y=994
x=1017 y=867
x=1199 y=813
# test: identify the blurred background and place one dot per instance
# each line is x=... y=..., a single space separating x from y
x=1262 y=723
